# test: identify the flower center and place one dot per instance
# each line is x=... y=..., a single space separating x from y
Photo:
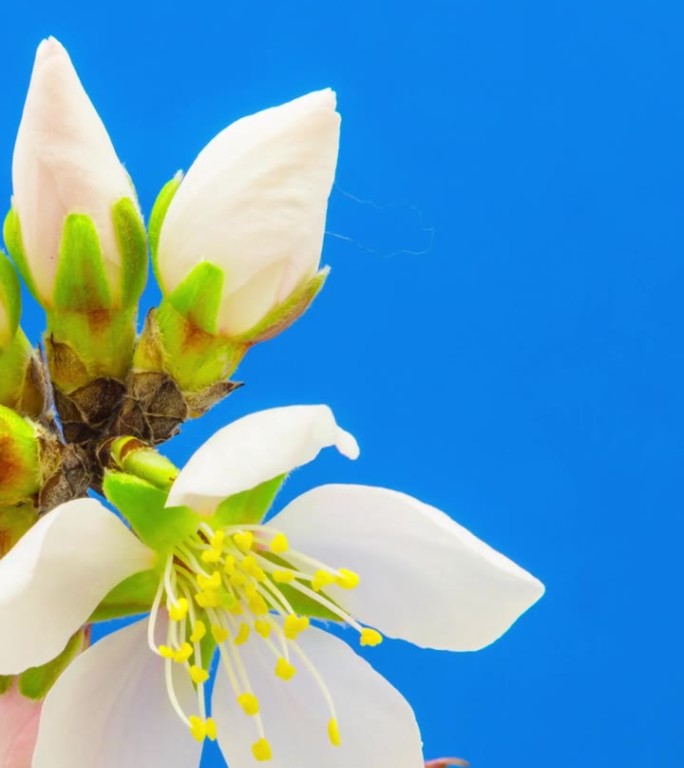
x=223 y=588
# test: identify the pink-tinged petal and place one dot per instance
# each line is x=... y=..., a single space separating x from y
x=424 y=578
x=19 y=719
x=55 y=576
x=110 y=710
x=254 y=449
x=377 y=727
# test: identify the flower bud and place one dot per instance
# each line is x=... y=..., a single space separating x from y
x=74 y=230
x=237 y=242
x=20 y=474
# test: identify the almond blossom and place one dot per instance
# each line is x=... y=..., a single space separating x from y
x=220 y=583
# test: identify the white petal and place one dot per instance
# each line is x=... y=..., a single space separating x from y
x=377 y=726
x=56 y=575
x=254 y=449
x=63 y=162
x=424 y=578
x=109 y=709
x=257 y=194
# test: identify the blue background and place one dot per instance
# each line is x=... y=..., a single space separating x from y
x=502 y=329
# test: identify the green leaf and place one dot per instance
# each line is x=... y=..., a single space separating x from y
x=142 y=505
x=81 y=284
x=10 y=301
x=249 y=507
x=15 y=246
x=5 y=683
x=198 y=297
x=37 y=681
x=132 y=240
x=161 y=206
x=132 y=596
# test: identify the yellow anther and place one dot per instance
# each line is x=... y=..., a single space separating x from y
x=249 y=703
x=370 y=637
x=284 y=670
x=209 y=582
x=251 y=589
x=198 y=675
x=261 y=750
x=198 y=728
x=183 y=653
x=165 y=652
x=334 y=733
x=321 y=579
x=179 y=610
x=237 y=580
x=217 y=539
x=220 y=634
x=211 y=729
x=244 y=539
x=211 y=555
x=235 y=608
x=199 y=630
x=258 y=606
x=242 y=635
x=262 y=627
x=283 y=577
x=250 y=566
x=293 y=625
x=279 y=544
x=207 y=599
x=347 y=579
x=229 y=564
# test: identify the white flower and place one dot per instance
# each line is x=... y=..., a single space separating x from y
x=64 y=163
x=285 y=690
x=254 y=204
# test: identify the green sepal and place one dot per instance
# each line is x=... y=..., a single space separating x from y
x=207 y=648
x=19 y=458
x=159 y=209
x=5 y=683
x=142 y=505
x=132 y=596
x=306 y=606
x=36 y=682
x=249 y=507
x=15 y=246
x=282 y=316
x=10 y=301
x=81 y=282
x=132 y=240
x=198 y=297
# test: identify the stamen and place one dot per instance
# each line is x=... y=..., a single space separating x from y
x=261 y=750
x=284 y=670
x=334 y=733
x=242 y=635
x=198 y=675
x=179 y=610
x=279 y=544
x=244 y=540
x=199 y=630
x=249 y=703
x=370 y=637
x=220 y=634
x=293 y=625
x=321 y=579
x=347 y=579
